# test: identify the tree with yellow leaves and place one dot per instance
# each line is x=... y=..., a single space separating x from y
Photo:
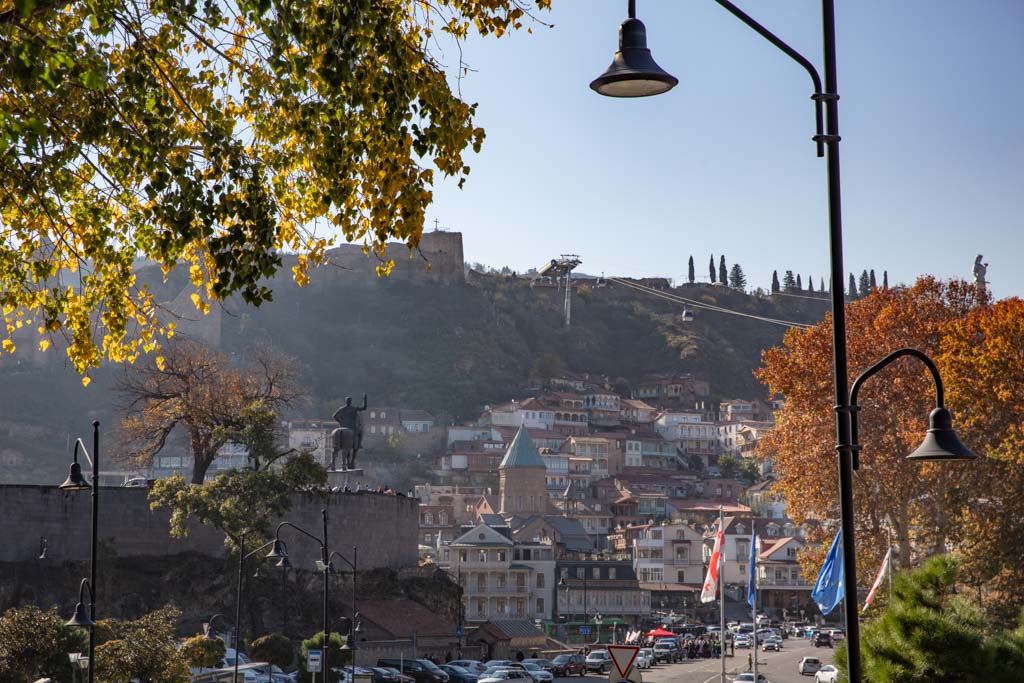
x=214 y=136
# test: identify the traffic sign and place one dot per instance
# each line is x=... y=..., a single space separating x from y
x=623 y=657
x=314 y=660
x=584 y=630
x=458 y=631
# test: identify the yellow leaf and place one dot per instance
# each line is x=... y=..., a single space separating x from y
x=8 y=346
x=160 y=363
x=44 y=344
x=86 y=380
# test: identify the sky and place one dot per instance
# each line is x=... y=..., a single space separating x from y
x=932 y=146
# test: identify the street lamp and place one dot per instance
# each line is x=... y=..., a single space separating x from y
x=242 y=557
x=280 y=552
x=208 y=625
x=77 y=662
x=354 y=627
x=565 y=586
x=77 y=482
x=634 y=65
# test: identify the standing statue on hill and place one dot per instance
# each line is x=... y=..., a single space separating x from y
x=348 y=438
x=980 y=270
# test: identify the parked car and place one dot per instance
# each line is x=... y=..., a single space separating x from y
x=837 y=634
x=822 y=640
x=827 y=674
x=537 y=673
x=423 y=670
x=749 y=678
x=645 y=658
x=492 y=663
x=501 y=675
x=808 y=665
x=567 y=665
x=545 y=664
x=472 y=665
x=664 y=652
x=457 y=674
x=599 y=661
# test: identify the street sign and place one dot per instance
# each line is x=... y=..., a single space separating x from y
x=584 y=630
x=458 y=631
x=623 y=657
x=314 y=660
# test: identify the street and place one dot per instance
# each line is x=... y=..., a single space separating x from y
x=777 y=667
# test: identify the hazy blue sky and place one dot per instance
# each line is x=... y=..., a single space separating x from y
x=930 y=116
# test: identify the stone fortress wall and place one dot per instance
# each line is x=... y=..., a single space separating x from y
x=384 y=528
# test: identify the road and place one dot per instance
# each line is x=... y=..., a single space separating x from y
x=778 y=667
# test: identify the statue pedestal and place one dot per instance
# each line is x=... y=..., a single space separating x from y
x=342 y=477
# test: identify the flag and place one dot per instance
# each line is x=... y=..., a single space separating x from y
x=752 y=573
x=707 y=594
x=878 y=580
x=829 y=588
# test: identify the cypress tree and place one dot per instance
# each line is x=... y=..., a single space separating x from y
x=799 y=284
x=865 y=283
x=852 y=293
x=885 y=279
x=871 y=276
x=711 y=269
x=690 y=270
x=775 y=282
x=737 y=280
x=822 y=283
x=810 y=284
x=723 y=274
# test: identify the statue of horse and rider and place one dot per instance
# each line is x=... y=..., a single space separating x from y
x=348 y=438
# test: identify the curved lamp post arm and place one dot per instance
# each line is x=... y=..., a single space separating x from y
x=335 y=553
x=261 y=548
x=819 y=96
x=940 y=394
x=277 y=533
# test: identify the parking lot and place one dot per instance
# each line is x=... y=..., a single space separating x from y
x=778 y=667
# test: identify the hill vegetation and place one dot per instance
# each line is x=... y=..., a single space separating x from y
x=447 y=349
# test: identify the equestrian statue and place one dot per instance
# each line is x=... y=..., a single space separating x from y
x=348 y=438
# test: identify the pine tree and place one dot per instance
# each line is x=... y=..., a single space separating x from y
x=871 y=276
x=723 y=274
x=690 y=270
x=775 y=282
x=788 y=281
x=799 y=284
x=865 y=283
x=885 y=279
x=852 y=292
x=737 y=280
x=711 y=269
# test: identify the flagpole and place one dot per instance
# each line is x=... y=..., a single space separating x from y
x=721 y=587
x=890 y=565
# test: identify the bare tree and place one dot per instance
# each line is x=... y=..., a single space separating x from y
x=196 y=388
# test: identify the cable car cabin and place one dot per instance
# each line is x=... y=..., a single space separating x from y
x=687 y=315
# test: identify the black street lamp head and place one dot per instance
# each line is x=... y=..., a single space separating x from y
x=75 y=480
x=941 y=444
x=81 y=617
x=284 y=563
x=633 y=71
x=279 y=551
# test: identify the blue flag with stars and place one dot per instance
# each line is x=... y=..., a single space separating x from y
x=829 y=589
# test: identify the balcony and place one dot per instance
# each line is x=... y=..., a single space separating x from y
x=786 y=582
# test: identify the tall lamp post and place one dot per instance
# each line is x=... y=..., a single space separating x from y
x=77 y=482
x=634 y=73
x=280 y=552
x=242 y=557
x=354 y=566
x=565 y=586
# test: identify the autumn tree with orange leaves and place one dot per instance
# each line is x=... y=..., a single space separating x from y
x=925 y=504
x=983 y=363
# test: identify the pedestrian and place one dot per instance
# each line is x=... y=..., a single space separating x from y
x=750 y=662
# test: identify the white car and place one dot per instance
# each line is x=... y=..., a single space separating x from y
x=749 y=678
x=742 y=640
x=809 y=665
x=502 y=675
x=827 y=674
x=537 y=673
x=645 y=658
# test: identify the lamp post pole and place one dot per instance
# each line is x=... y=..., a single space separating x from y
x=242 y=557
x=76 y=482
x=354 y=566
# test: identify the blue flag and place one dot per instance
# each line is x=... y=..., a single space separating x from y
x=752 y=572
x=829 y=589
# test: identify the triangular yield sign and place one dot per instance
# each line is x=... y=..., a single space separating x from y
x=623 y=657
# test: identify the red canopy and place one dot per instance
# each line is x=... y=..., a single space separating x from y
x=660 y=633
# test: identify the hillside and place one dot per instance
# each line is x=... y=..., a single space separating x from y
x=446 y=348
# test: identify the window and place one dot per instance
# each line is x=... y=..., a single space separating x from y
x=482 y=557
x=680 y=577
x=428 y=539
x=595 y=573
x=656 y=534
x=611 y=573
x=428 y=518
x=540 y=580
x=581 y=572
x=382 y=414
x=540 y=606
x=501 y=556
x=481 y=582
x=442 y=518
x=373 y=414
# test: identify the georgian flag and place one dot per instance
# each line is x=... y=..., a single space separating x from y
x=707 y=594
x=878 y=581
